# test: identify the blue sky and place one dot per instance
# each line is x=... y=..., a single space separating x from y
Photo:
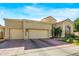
x=37 y=11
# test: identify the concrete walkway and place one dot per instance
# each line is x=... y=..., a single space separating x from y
x=62 y=50
x=38 y=48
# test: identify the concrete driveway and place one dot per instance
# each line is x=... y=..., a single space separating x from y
x=41 y=47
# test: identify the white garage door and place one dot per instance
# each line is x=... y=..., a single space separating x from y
x=36 y=34
x=16 y=34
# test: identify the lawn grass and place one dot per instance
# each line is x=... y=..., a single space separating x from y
x=75 y=42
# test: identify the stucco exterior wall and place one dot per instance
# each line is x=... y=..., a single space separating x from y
x=37 y=25
x=69 y=24
x=58 y=25
x=63 y=24
x=7 y=33
x=13 y=23
x=24 y=24
x=1 y=33
x=28 y=24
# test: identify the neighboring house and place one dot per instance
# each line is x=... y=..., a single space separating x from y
x=29 y=29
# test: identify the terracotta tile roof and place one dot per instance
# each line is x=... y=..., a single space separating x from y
x=49 y=17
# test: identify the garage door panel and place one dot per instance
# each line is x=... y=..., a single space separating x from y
x=35 y=34
x=16 y=34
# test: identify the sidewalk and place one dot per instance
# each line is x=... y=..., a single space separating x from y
x=64 y=50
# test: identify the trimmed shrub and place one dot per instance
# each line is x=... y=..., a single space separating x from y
x=65 y=39
x=69 y=40
x=72 y=36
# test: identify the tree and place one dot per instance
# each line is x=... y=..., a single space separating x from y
x=76 y=25
x=57 y=32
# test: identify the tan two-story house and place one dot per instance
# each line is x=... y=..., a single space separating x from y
x=30 y=29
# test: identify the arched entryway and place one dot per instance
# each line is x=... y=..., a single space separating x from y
x=67 y=30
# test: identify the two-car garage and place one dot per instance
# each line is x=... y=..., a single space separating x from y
x=27 y=29
x=31 y=34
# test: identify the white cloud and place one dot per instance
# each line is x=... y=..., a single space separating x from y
x=36 y=13
x=7 y=13
x=32 y=9
x=61 y=13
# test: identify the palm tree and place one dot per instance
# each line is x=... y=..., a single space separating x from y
x=57 y=32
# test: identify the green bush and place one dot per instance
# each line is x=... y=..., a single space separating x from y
x=71 y=36
x=69 y=40
x=57 y=32
x=65 y=39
